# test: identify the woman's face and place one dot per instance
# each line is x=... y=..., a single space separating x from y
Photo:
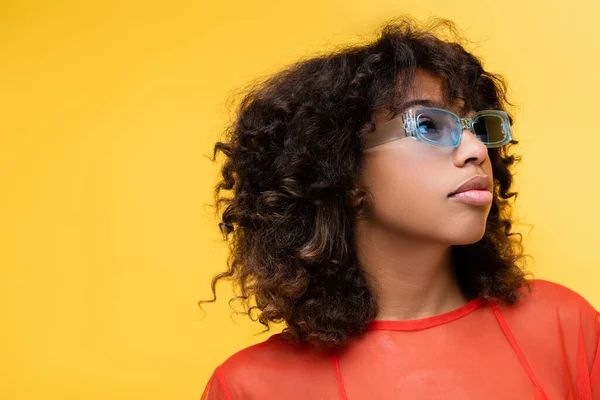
x=410 y=181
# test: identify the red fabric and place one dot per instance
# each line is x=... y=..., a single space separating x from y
x=545 y=347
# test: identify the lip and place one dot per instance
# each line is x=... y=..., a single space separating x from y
x=476 y=183
x=474 y=197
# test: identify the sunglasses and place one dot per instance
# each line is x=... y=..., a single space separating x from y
x=440 y=127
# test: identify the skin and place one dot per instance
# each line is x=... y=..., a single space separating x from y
x=404 y=246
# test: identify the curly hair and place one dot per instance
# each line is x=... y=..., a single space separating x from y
x=293 y=153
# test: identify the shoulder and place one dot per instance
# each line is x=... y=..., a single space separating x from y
x=274 y=364
x=555 y=314
x=551 y=297
x=272 y=353
x=548 y=301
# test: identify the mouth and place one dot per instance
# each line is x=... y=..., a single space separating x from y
x=478 y=182
x=477 y=191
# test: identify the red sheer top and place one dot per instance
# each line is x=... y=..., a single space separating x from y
x=545 y=347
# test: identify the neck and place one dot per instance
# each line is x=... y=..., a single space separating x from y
x=411 y=278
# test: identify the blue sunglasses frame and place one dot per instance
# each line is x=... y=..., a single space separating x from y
x=406 y=125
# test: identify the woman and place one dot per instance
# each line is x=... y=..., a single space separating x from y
x=371 y=213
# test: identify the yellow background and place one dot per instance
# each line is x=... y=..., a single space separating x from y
x=107 y=110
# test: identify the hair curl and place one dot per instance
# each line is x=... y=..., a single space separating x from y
x=293 y=154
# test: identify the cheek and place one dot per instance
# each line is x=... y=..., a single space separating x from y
x=408 y=190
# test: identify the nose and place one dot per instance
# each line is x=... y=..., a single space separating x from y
x=470 y=149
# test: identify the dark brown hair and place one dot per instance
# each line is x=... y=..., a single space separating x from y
x=293 y=154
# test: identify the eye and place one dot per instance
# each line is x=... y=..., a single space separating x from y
x=428 y=127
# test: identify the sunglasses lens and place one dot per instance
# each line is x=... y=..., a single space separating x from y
x=490 y=129
x=436 y=126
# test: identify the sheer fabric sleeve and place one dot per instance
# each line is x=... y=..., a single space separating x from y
x=216 y=388
x=585 y=379
x=595 y=371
